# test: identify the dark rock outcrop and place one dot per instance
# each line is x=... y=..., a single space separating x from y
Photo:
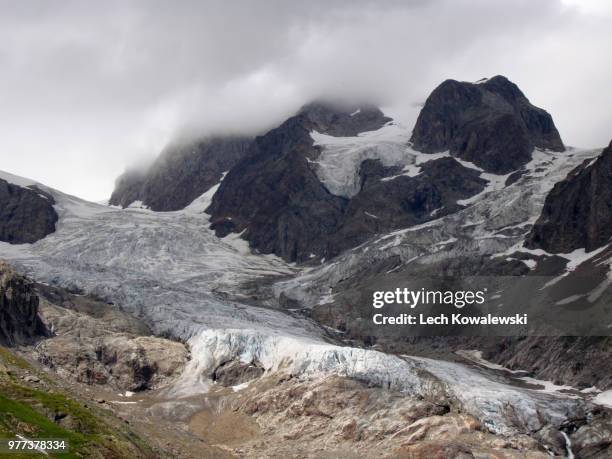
x=26 y=213
x=593 y=440
x=490 y=123
x=579 y=361
x=128 y=188
x=578 y=211
x=384 y=205
x=276 y=198
x=275 y=195
x=180 y=174
x=235 y=372
x=342 y=120
x=19 y=321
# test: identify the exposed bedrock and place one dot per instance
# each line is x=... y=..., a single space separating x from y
x=276 y=200
x=276 y=197
x=181 y=173
x=405 y=201
x=96 y=343
x=26 y=213
x=580 y=361
x=578 y=211
x=342 y=120
x=19 y=321
x=234 y=372
x=490 y=123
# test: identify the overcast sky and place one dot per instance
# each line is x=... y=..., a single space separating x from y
x=89 y=87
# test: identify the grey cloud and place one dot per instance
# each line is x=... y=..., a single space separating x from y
x=87 y=88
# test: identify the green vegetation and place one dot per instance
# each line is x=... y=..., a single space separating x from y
x=48 y=413
x=11 y=359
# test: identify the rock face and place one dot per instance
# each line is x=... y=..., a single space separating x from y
x=19 y=321
x=384 y=205
x=26 y=214
x=579 y=361
x=275 y=195
x=490 y=123
x=341 y=417
x=180 y=174
x=97 y=344
x=593 y=440
x=343 y=121
x=578 y=211
x=128 y=188
x=235 y=372
x=276 y=200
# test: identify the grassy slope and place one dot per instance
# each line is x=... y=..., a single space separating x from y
x=31 y=410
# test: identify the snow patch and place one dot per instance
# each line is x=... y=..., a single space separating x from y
x=239 y=387
x=201 y=203
x=476 y=357
x=604 y=399
x=579 y=256
x=531 y=264
x=495 y=183
x=137 y=205
x=547 y=386
x=337 y=167
x=570 y=299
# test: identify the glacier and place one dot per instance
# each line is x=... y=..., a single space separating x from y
x=494 y=223
x=170 y=270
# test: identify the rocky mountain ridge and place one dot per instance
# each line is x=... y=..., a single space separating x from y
x=490 y=123
x=278 y=200
x=275 y=196
x=181 y=173
x=578 y=211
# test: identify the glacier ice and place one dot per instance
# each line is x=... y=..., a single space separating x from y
x=172 y=271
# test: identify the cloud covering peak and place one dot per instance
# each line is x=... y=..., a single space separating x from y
x=87 y=88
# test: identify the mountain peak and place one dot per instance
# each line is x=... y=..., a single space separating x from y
x=490 y=123
x=181 y=173
x=343 y=119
